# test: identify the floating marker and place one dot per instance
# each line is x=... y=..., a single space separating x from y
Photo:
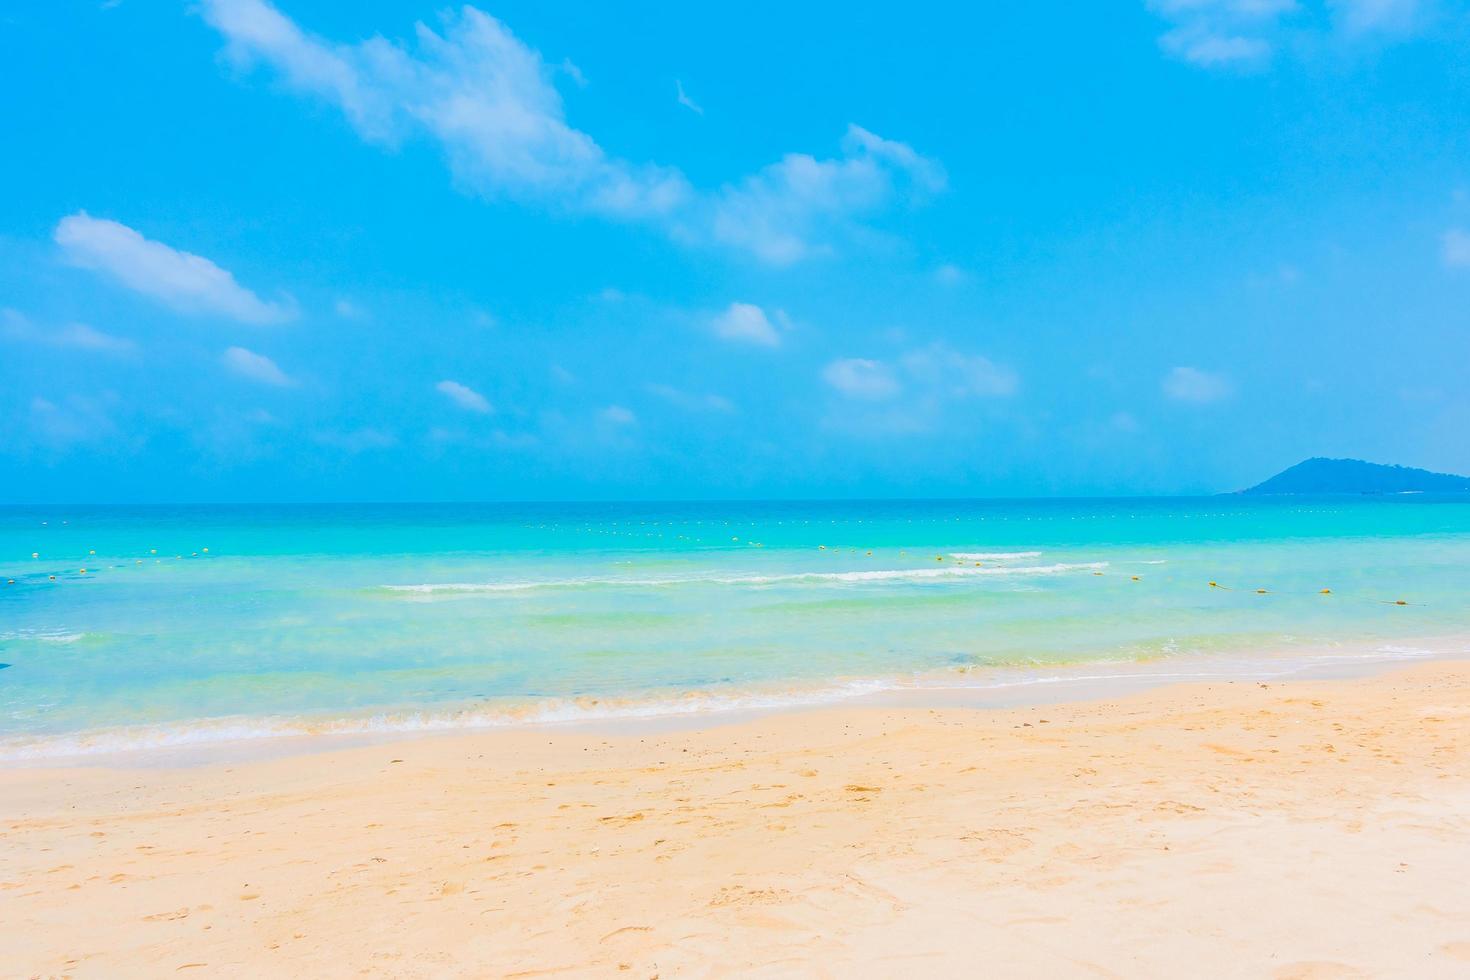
x=35 y=554
x=1135 y=578
x=1260 y=592
x=1214 y=585
x=205 y=550
x=92 y=552
x=82 y=571
x=153 y=551
x=1325 y=592
x=10 y=581
x=51 y=577
x=1400 y=602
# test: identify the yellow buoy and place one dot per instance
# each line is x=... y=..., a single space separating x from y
x=1260 y=592
x=92 y=552
x=205 y=550
x=82 y=572
x=1325 y=592
x=939 y=558
x=1400 y=602
x=51 y=577
x=153 y=551
x=1214 y=585
x=1135 y=578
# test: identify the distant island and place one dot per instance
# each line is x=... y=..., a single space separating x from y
x=1320 y=475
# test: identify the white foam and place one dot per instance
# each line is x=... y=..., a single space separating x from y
x=42 y=636
x=994 y=555
x=866 y=575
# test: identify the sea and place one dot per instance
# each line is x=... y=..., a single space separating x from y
x=136 y=628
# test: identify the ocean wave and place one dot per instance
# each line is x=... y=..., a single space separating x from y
x=42 y=636
x=504 y=714
x=867 y=575
x=557 y=711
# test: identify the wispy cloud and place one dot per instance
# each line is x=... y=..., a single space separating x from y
x=75 y=420
x=1195 y=387
x=1455 y=248
x=859 y=377
x=256 y=367
x=949 y=274
x=943 y=369
x=1247 y=34
x=465 y=397
x=16 y=326
x=937 y=372
x=617 y=415
x=792 y=209
x=488 y=100
x=748 y=324
x=180 y=280
x=684 y=99
x=691 y=401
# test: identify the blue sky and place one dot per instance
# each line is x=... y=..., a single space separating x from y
x=391 y=250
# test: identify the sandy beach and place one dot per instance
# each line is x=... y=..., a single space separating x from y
x=1290 y=830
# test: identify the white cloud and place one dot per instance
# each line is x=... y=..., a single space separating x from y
x=478 y=90
x=788 y=211
x=937 y=373
x=617 y=415
x=1247 y=33
x=1381 y=16
x=958 y=375
x=77 y=420
x=747 y=323
x=465 y=397
x=1187 y=384
x=857 y=377
x=691 y=401
x=1455 y=248
x=348 y=310
x=255 y=367
x=15 y=325
x=183 y=281
x=685 y=100
x=487 y=99
x=949 y=275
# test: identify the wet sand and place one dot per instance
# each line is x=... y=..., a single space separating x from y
x=1308 y=828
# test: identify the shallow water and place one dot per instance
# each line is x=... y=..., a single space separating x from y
x=214 y=623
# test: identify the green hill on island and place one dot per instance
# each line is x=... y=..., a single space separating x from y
x=1320 y=475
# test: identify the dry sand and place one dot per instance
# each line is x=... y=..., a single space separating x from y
x=1305 y=829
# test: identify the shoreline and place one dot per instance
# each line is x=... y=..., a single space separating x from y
x=205 y=741
x=1296 y=829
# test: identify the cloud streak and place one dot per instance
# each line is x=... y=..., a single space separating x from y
x=255 y=367
x=15 y=325
x=465 y=397
x=1247 y=34
x=180 y=280
x=1195 y=387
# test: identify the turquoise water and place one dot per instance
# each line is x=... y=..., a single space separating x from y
x=233 y=622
